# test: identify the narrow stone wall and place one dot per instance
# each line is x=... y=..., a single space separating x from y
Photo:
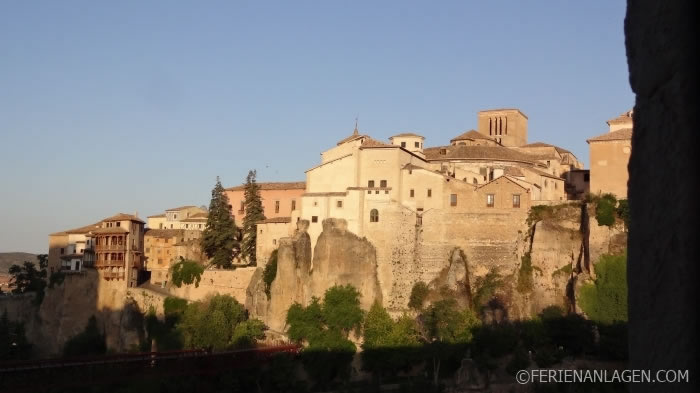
x=222 y=282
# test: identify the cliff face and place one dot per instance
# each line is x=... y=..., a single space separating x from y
x=340 y=258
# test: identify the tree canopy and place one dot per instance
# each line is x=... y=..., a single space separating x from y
x=27 y=278
x=186 y=271
x=253 y=214
x=605 y=300
x=219 y=238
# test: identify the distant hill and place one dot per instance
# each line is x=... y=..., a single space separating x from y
x=8 y=259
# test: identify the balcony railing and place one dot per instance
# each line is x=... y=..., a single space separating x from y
x=109 y=263
x=112 y=275
x=111 y=247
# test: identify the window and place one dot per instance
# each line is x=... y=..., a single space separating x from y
x=174 y=216
x=315 y=203
x=453 y=199
x=62 y=251
x=516 y=200
x=294 y=204
x=475 y=181
x=403 y=144
x=555 y=185
x=314 y=218
x=586 y=177
x=277 y=206
x=443 y=151
x=382 y=183
x=370 y=183
x=412 y=193
x=430 y=193
x=119 y=224
x=490 y=200
x=242 y=208
x=548 y=163
x=187 y=226
x=545 y=182
x=374 y=215
x=274 y=241
x=339 y=204
x=417 y=144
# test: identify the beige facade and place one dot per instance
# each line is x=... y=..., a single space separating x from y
x=507 y=126
x=279 y=199
x=164 y=247
x=72 y=250
x=270 y=231
x=184 y=217
x=609 y=157
x=119 y=249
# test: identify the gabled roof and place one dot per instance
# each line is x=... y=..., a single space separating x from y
x=513 y=171
x=78 y=231
x=196 y=217
x=407 y=134
x=157 y=215
x=124 y=217
x=297 y=185
x=623 y=118
x=461 y=152
x=180 y=208
x=542 y=144
x=502 y=177
x=471 y=135
x=623 y=134
x=163 y=233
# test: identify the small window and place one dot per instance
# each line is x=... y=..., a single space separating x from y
x=490 y=200
x=63 y=251
x=403 y=144
x=242 y=208
x=339 y=204
x=443 y=151
x=430 y=193
x=315 y=203
x=475 y=181
x=555 y=185
x=119 y=223
x=174 y=216
x=545 y=182
x=261 y=231
x=548 y=163
x=416 y=144
x=274 y=241
x=382 y=183
x=453 y=199
x=370 y=183
x=374 y=215
x=412 y=193
x=516 y=200
x=294 y=204
x=314 y=218
x=277 y=206
x=586 y=177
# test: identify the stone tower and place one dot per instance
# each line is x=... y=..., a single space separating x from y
x=507 y=126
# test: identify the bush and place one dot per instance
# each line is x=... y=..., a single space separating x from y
x=605 y=301
x=270 y=272
x=623 y=211
x=419 y=293
x=613 y=341
x=186 y=271
x=605 y=212
x=487 y=287
x=89 y=342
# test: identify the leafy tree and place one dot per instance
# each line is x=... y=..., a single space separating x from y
x=419 y=293
x=605 y=301
x=219 y=238
x=13 y=340
x=27 y=278
x=253 y=214
x=186 y=271
x=605 y=210
x=270 y=272
x=90 y=342
x=388 y=345
x=486 y=288
x=623 y=211
x=215 y=324
x=446 y=330
x=324 y=327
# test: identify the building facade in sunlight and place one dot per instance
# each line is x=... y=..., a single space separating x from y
x=609 y=155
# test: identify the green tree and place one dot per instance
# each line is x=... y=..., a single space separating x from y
x=605 y=210
x=419 y=293
x=623 y=211
x=324 y=328
x=215 y=324
x=270 y=272
x=186 y=272
x=220 y=238
x=253 y=214
x=27 y=278
x=525 y=279
x=389 y=346
x=447 y=331
x=88 y=343
x=605 y=301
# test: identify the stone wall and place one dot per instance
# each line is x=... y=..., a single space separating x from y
x=222 y=282
x=661 y=43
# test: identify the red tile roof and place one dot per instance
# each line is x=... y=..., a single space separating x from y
x=623 y=134
x=299 y=185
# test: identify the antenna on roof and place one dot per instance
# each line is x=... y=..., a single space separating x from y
x=355 y=132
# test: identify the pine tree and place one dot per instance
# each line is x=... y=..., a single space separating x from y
x=219 y=239
x=253 y=213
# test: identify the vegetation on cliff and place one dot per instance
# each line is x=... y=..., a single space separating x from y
x=419 y=293
x=220 y=240
x=91 y=342
x=605 y=300
x=270 y=272
x=253 y=214
x=186 y=271
x=27 y=278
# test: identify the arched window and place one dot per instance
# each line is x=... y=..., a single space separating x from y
x=374 y=215
x=475 y=181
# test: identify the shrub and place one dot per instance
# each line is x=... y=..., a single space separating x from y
x=605 y=212
x=623 y=211
x=186 y=272
x=605 y=301
x=525 y=280
x=487 y=287
x=520 y=361
x=270 y=272
x=419 y=293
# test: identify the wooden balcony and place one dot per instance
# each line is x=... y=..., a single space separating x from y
x=111 y=247
x=101 y=264
x=113 y=275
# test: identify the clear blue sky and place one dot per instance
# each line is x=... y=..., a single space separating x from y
x=137 y=106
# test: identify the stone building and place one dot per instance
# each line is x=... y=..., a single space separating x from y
x=609 y=156
x=183 y=217
x=72 y=249
x=163 y=247
x=119 y=249
x=279 y=199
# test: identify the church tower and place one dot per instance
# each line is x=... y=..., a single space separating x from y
x=506 y=126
